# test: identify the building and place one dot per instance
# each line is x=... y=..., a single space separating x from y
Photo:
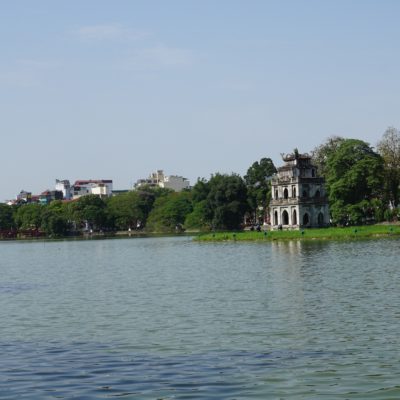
x=65 y=187
x=158 y=179
x=24 y=197
x=99 y=187
x=298 y=195
x=48 y=196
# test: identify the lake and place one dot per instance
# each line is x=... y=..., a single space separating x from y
x=169 y=318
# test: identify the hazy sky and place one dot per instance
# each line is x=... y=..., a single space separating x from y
x=118 y=89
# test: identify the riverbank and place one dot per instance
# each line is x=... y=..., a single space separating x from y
x=345 y=233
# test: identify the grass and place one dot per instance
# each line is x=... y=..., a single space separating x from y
x=353 y=232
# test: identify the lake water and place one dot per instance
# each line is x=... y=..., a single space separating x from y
x=169 y=318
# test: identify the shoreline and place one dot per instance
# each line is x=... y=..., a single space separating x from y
x=323 y=234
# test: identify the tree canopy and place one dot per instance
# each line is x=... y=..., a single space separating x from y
x=354 y=174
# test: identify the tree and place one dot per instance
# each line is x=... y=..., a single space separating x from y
x=219 y=203
x=130 y=210
x=6 y=216
x=354 y=174
x=389 y=148
x=29 y=216
x=321 y=153
x=170 y=211
x=54 y=219
x=258 y=185
x=89 y=211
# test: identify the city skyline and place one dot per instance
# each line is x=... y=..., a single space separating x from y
x=117 y=90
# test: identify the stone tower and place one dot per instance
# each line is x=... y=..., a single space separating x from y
x=299 y=198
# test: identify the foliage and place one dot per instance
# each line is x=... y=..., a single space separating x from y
x=200 y=217
x=224 y=202
x=354 y=173
x=258 y=185
x=170 y=211
x=321 y=153
x=6 y=216
x=89 y=211
x=53 y=219
x=389 y=148
x=130 y=210
x=29 y=216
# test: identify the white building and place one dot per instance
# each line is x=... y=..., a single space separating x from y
x=65 y=187
x=299 y=198
x=99 y=187
x=174 y=182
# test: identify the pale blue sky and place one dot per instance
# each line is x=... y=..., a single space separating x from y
x=118 y=89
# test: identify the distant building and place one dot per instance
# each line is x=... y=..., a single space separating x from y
x=158 y=179
x=99 y=187
x=299 y=198
x=24 y=197
x=48 y=196
x=65 y=187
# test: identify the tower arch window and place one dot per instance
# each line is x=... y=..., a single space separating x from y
x=285 y=193
x=285 y=218
x=320 y=219
x=306 y=219
x=276 y=218
x=294 y=217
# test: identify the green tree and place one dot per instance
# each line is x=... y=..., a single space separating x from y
x=170 y=211
x=389 y=148
x=321 y=153
x=258 y=184
x=6 y=216
x=354 y=174
x=89 y=211
x=219 y=203
x=130 y=210
x=54 y=219
x=29 y=216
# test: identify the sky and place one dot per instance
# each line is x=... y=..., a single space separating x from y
x=94 y=89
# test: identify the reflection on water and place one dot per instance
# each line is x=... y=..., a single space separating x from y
x=170 y=318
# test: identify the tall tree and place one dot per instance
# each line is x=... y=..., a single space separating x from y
x=170 y=211
x=130 y=210
x=6 y=216
x=321 y=153
x=389 y=148
x=226 y=201
x=29 y=216
x=354 y=174
x=258 y=185
x=54 y=219
x=90 y=211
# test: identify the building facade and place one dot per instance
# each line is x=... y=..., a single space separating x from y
x=174 y=182
x=65 y=187
x=299 y=198
x=99 y=187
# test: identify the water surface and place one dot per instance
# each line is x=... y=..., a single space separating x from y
x=168 y=318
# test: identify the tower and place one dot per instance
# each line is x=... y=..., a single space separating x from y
x=299 y=198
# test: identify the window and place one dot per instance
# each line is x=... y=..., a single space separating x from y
x=285 y=193
x=285 y=218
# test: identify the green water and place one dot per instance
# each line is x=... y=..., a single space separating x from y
x=152 y=318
